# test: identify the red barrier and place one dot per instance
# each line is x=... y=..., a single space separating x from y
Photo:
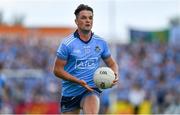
x=37 y=108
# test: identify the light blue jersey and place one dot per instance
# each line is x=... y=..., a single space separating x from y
x=83 y=58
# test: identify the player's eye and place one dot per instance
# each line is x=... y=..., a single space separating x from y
x=83 y=17
x=91 y=18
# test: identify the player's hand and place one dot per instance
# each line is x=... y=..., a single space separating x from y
x=84 y=84
x=115 y=81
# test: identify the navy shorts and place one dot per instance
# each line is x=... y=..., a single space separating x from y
x=72 y=103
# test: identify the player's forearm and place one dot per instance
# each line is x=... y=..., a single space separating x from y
x=112 y=64
x=60 y=73
x=114 y=67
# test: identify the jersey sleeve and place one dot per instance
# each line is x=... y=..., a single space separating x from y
x=62 y=52
x=106 y=52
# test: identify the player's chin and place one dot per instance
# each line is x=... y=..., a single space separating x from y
x=87 y=28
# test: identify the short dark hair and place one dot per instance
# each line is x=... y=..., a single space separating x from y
x=82 y=7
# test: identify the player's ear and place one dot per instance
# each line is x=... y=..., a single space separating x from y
x=76 y=21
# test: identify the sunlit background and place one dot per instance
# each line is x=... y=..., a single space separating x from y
x=144 y=37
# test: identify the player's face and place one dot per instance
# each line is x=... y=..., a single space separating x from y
x=84 y=20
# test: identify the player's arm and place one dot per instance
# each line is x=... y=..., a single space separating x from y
x=61 y=73
x=110 y=62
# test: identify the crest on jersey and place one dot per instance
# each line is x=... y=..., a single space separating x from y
x=97 y=49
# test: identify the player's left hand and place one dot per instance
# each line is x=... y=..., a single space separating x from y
x=115 y=81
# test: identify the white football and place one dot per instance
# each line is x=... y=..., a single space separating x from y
x=103 y=77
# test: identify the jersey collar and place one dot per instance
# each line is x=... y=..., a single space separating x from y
x=76 y=34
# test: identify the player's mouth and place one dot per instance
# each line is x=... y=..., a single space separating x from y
x=88 y=25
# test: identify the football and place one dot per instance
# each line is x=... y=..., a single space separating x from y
x=103 y=77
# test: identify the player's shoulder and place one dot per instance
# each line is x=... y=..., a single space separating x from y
x=98 y=38
x=68 y=39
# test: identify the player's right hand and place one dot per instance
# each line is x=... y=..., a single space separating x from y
x=84 y=84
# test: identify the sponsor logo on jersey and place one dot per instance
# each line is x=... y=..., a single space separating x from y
x=86 y=63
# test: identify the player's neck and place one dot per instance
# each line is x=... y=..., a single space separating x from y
x=85 y=36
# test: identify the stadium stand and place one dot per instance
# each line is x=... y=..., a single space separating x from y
x=149 y=75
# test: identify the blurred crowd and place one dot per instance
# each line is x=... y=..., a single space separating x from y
x=149 y=78
x=21 y=92
x=31 y=52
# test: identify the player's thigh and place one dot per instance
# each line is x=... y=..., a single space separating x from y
x=90 y=104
